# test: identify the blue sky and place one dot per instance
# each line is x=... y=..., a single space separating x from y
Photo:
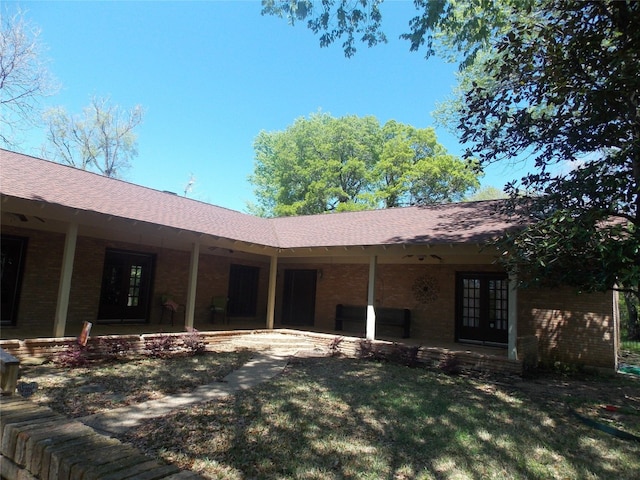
x=212 y=74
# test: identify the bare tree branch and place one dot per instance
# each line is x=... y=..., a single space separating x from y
x=24 y=77
x=101 y=138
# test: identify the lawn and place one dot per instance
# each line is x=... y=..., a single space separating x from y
x=336 y=418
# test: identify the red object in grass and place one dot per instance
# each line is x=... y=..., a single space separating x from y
x=611 y=408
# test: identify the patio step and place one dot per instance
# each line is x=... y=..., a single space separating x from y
x=275 y=342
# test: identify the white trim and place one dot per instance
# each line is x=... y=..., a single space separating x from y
x=371 y=312
x=271 y=296
x=64 y=287
x=615 y=318
x=513 y=317
x=192 y=285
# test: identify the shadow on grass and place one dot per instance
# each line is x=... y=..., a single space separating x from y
x=101 y=386
x=335 y=418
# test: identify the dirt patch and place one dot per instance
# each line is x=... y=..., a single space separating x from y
x=612 y=401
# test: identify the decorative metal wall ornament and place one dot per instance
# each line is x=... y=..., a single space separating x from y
x=425 y=289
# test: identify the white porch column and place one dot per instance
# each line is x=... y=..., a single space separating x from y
x=271 y=296
x=192 y=286
x=64 y=287
x=513 y=317
x=371 y=311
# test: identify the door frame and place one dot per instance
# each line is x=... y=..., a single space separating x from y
x=11 y=291
x=143 y=290
x=493 y=313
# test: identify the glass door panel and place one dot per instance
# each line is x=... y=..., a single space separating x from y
x=482 y=308
x=126 y=287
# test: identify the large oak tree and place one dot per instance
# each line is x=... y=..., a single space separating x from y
x=324 y=164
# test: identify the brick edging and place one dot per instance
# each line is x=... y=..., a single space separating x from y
x=39 y=443
x=227 y=340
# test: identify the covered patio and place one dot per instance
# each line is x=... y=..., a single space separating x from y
x=467 y=357
x=99 y=250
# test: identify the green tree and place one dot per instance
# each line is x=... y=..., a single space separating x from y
x=415 y=169
x=565 y=90
x=325 y=164
x=449 y=28
x=101 y=139
x=487 y=193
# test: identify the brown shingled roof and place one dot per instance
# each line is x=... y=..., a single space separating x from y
x=469 y=222
x=35 y=179
x=30 y=178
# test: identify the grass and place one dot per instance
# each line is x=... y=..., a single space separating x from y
x=631 y=346
x=333 y=418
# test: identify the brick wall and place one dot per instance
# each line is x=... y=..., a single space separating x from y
x=318 y=343
x=213 y=281
x=346 y=283
x=432 y=321
x=567 y=327
x=38 y=443
x=41 y=276
x=43 y=260
x=570 y=327
x=86 y=281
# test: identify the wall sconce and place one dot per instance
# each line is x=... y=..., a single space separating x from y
x=320 y=273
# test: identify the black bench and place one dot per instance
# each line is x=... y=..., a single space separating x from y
x=356 y=315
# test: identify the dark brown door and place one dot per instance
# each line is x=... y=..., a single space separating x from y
x=126 y=287
x=243 y=290
x=299 y=301
x=482 y=308
x=11 y=266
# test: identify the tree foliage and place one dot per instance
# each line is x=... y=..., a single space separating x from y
x=101 y=138
x=487 y=193
x=334 y=20
x=449 y=28
x=24 y=76
x=325 y=164
x=565 y=90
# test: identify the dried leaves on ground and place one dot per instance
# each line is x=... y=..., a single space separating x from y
x=338 y=418
x=103 y=385
x=334 y=418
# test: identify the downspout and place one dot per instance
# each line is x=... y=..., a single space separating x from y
x=64 y=287
x=371 y=311
x=192 y=286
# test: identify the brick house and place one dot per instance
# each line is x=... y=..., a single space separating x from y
x=77 y=246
